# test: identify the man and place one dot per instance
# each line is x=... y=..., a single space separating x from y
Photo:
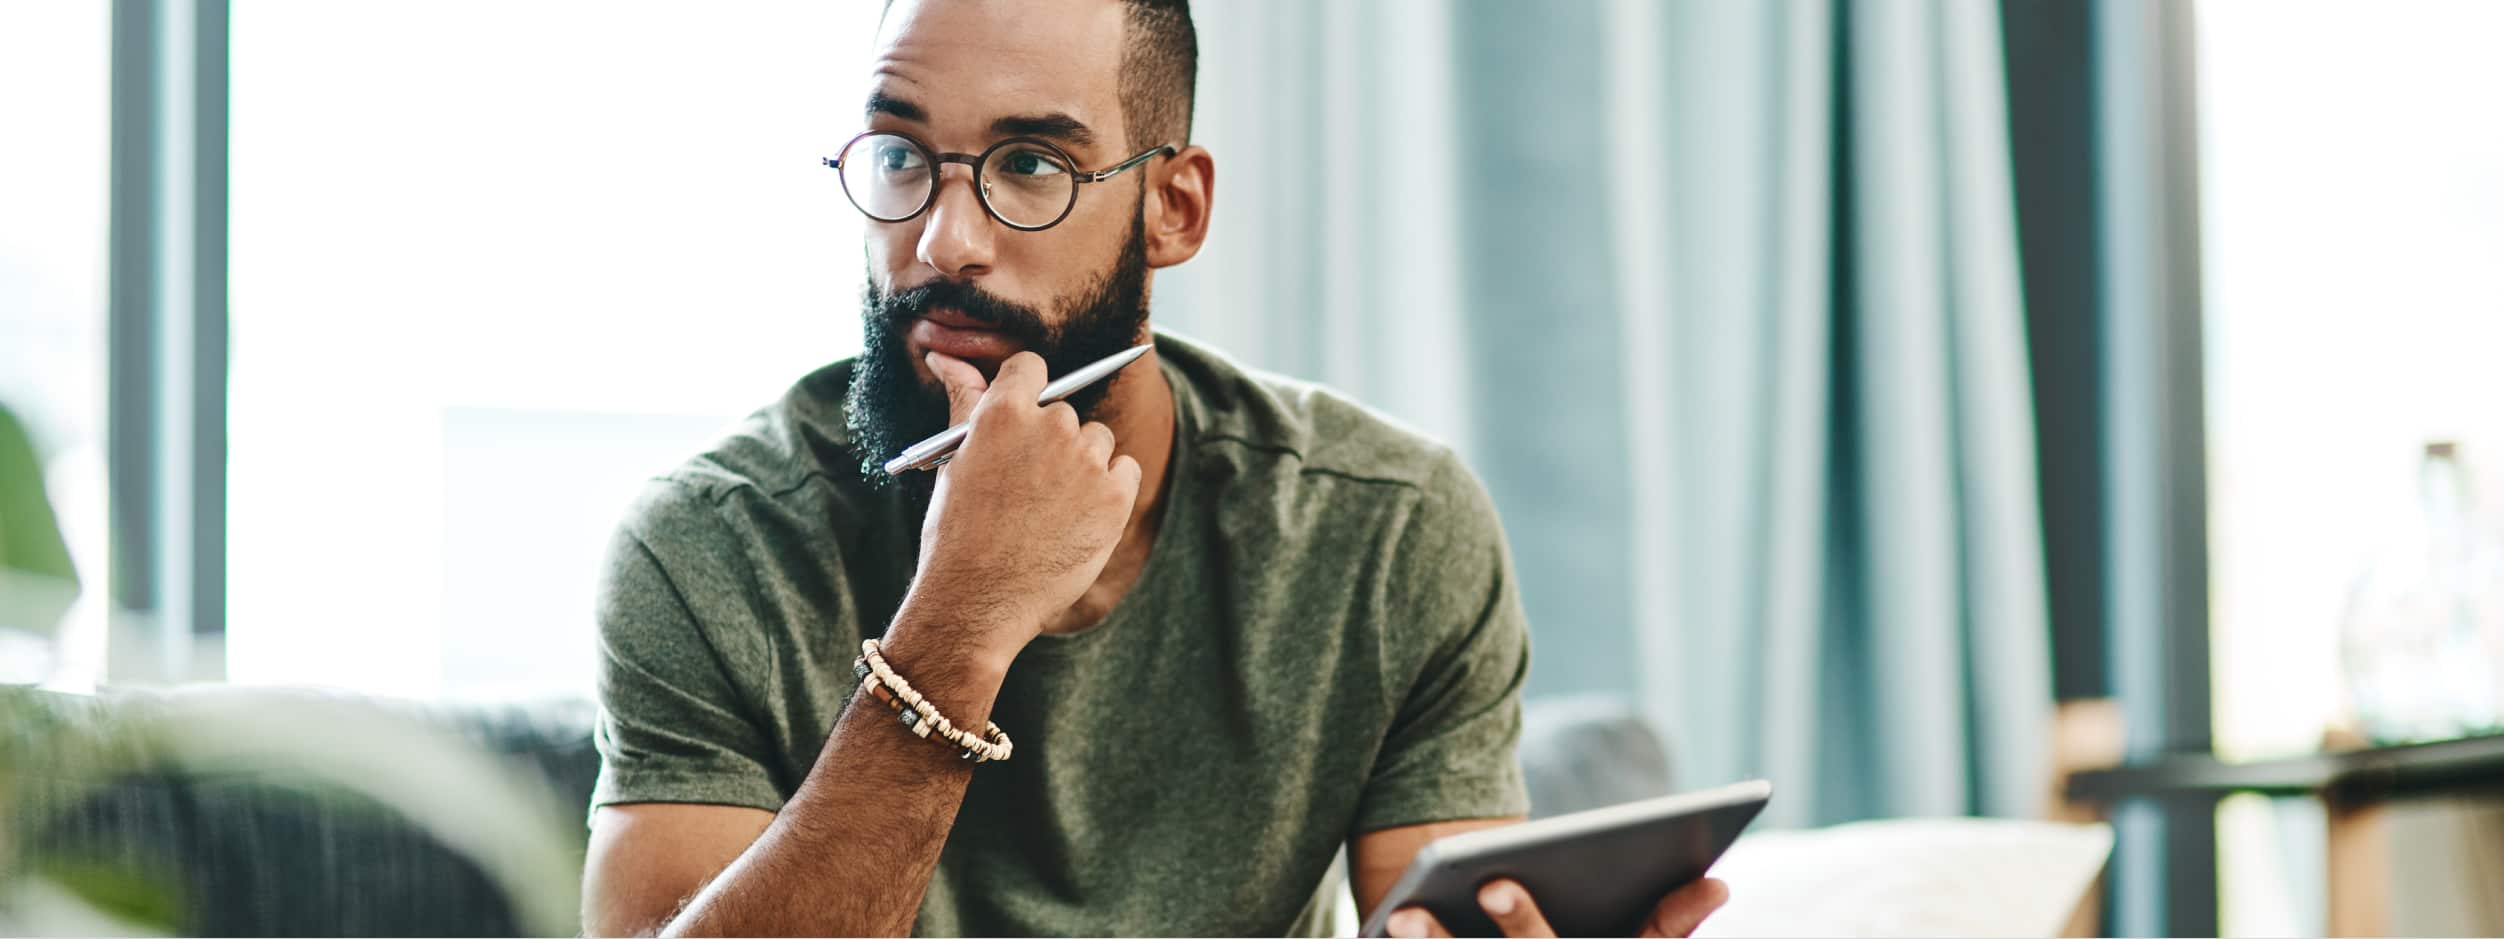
x=1229 y=623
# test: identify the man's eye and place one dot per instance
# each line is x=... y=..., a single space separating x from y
x=1030 y=163
x=898 y=158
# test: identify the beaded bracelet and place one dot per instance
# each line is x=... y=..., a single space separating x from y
x=881 y=683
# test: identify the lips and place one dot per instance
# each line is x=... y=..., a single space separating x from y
x=951 y=318
x=951 y=333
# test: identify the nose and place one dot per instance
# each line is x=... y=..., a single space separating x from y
x=956 y=234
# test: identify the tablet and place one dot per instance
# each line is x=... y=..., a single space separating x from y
x=1595 y=873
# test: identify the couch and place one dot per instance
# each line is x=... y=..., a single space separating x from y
x=248 y=854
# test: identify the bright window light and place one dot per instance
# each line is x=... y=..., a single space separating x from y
x=55 y=109
x=495 y=264
x=2353 y=221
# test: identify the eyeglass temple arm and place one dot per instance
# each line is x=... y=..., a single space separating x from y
x=944 y=158
x=1125 y=165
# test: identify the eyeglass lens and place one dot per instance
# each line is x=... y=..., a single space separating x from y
x=890 y=179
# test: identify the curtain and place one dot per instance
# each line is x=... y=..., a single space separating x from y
x=1721 y=300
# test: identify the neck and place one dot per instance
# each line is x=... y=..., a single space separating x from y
x=1139 y=408
x=1142 y=419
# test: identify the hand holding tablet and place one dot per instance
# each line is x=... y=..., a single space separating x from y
x=1599 y=872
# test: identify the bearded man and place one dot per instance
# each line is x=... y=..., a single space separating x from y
x=1226 y=623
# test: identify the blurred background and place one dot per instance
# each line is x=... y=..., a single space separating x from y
x=1911 y=401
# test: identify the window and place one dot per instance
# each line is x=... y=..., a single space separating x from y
x=2353 y=222
x=495 y=264
x=55 y=102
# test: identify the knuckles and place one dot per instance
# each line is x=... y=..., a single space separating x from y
x=1062 y=418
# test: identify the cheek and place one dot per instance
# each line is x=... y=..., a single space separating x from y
x=889 y=250
x=1085 y=249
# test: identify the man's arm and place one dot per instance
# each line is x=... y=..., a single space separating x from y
x=1021 y=521
x=850 y=854
x=1377 y=858
x=647 y=858
x=1448 y=765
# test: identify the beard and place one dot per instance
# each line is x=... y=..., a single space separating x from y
x=888 y=407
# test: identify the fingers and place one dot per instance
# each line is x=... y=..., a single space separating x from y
x=964 y=383
x=1415 y=923
x=1685 y=908
x=1019 y=381
x=1125 y=473
x=1061 y=417
x=1510 y=906
x=1096 y=441
x=1021 y=378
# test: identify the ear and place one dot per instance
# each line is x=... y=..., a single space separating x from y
x=1177 y=210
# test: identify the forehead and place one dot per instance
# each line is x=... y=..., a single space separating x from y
x=967 y=62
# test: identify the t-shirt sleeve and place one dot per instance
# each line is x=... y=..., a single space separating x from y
x=672 y=725
x=1449 y=753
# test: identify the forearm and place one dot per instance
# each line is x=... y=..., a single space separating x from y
x=853 y=851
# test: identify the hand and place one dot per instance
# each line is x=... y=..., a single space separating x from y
x=1514 y=912
x=1026 y=514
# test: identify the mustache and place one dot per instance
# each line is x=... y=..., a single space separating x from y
x=898 y=310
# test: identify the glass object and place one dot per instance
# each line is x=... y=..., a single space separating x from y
x=2350 y=222
x=2418 y=661
x=1025 y=183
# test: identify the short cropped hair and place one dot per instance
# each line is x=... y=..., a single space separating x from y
x=1160 y=66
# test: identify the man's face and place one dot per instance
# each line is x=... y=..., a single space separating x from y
x=959 y=75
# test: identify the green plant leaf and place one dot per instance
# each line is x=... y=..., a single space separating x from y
x=116 y=891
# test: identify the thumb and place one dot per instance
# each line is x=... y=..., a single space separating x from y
x=964 y=383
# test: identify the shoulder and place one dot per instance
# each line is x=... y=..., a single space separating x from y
x=796 y=441
x=1252 y=417
x=1334 y=477
x=782 y=483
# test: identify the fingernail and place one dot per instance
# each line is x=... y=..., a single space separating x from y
x=1408 y=924
x=1497 y=900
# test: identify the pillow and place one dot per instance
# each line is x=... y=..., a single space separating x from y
x=1910 y=877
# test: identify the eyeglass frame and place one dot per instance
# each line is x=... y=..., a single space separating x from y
x=973 y=163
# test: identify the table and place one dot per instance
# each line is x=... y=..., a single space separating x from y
x=2355 y=787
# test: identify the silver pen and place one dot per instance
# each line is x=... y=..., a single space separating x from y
x=942 y=445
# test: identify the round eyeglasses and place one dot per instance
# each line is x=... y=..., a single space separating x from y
x=1026 y=183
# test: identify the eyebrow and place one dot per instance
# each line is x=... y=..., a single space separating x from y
x=1055 y=125
x=883 y=103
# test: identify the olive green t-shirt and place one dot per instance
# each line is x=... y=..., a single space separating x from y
x=1325 y=641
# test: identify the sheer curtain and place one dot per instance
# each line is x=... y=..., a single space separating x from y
x=1721 y=300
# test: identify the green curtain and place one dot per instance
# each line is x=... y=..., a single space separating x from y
x=1722 y=301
